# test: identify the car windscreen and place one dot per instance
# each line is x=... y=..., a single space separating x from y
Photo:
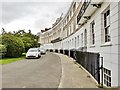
x=33 y=51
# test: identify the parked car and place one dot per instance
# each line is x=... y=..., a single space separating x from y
x=33 y=53
x=42 y=50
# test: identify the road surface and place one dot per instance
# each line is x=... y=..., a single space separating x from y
x=33 y=73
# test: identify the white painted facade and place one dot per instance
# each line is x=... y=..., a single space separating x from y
x=75 y=38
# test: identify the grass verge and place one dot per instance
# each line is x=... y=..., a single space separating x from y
x=10 y=60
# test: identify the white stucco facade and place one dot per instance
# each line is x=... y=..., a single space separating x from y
x=75 y=36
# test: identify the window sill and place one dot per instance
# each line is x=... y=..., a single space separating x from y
x=92 y=46
x=106 y=44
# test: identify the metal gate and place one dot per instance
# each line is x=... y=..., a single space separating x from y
x=66 y=52
x=51 y=50
x=90 y=61
x=61 y=51
x=73 y=53
x=56 y=50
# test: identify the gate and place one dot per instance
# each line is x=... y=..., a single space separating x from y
x=90 y=61
x=72 y=53
x=51 y=50
x=56 y=50
x=61 y=51
x=66 y=52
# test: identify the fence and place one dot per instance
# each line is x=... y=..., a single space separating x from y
x=90 y=61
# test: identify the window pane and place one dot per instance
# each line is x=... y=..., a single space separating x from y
x=109 y=84
x=109 y=73
x=105 y=23
x=108 y=12
x=109 y=79
x=92 y=35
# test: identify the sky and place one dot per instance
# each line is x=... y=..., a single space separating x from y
x=35 y=15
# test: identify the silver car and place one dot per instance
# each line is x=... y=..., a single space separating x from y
x=42 y=50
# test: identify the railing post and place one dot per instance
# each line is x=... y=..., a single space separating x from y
x=98 y=70
x=102 y=72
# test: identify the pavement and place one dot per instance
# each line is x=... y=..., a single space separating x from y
x=52 y=70
x=73 y=76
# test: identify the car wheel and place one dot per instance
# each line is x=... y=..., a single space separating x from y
x=38 y=56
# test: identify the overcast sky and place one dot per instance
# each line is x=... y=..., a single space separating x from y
x=31 y=15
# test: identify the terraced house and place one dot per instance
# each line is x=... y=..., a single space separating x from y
x=93 y=27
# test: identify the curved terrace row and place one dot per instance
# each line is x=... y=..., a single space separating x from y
x=89 y=26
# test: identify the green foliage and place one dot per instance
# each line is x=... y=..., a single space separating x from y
x=3 y=50
x=28 y=43
x=13 y=44
x=10 y=60
x=30 y=40
x=18 y=42
x=23 y=54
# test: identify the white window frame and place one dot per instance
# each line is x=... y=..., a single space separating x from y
x=92 y=32
x=78 y=40
x=85 y=37
x=106 y=37
x=72 y=42
x=81 y=39
x=75 y=42
x=107 y=77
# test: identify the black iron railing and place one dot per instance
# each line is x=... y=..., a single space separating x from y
x=82 y=10
x=90 y=61
x=56 y=40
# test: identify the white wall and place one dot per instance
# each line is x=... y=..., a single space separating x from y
x=119 y=42
x=48 y=46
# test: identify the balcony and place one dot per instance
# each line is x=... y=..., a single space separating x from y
x=56 y=40
x=82 y=10
x=87 y=10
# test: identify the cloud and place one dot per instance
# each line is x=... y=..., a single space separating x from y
x=38 y=15
x=13 y=10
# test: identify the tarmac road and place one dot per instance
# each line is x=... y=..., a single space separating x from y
x=33 y=73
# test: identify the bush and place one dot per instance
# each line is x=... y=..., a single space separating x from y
x=2 y=50
x=13 y=44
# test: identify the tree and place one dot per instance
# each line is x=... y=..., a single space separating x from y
x=36 y=40
x=3 y=31
x=19 y=41
x=29 y=31
x=3 y=50
x=28 y=42
x=14 y=45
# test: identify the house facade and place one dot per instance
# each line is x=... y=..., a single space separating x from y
x=91 y=27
